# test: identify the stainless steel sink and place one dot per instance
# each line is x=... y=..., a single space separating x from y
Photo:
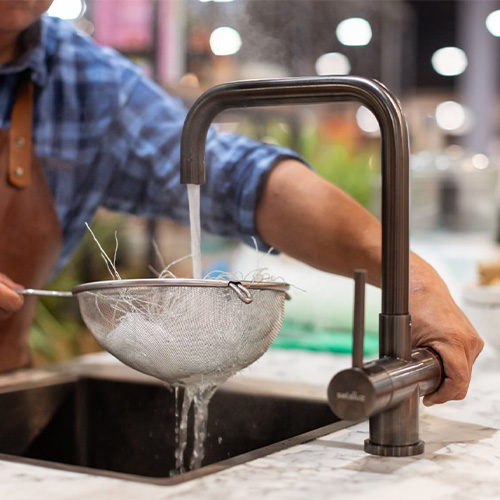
x=123 y=426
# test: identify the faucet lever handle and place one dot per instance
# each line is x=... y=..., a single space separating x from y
x=358 y=331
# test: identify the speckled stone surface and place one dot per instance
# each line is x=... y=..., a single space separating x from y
x=461 y=461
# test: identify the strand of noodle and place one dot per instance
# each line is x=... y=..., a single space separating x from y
x=255 y=244
x=168 y=273
x=116 y=249
x=166 y=269
x=110 y=271
x=153 y=270
x=158 y=253
x=104 y=255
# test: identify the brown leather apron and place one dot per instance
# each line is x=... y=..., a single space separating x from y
x=30 y=233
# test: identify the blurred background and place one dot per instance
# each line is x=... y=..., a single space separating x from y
x=440 y=58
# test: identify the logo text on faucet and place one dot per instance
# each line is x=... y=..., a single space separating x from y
x=351 y=396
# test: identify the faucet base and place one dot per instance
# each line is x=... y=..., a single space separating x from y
x=394 y=451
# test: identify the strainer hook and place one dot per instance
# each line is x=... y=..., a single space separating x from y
x=242 y=292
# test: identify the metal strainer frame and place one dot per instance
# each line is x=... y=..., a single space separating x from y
x=186 y=360
x=241 y=288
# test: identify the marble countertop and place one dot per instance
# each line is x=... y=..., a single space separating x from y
x=461 y=460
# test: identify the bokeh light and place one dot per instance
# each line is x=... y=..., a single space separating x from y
x=449 y=61
x=225 y=41
x=480 y=161
x=366 y=120
x=450 y=115
x=354 y=31
x=67 y=9
x=493 y=23
x=333 y=63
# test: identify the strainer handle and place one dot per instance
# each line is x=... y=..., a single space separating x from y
x=43 y=293
x=242 y=292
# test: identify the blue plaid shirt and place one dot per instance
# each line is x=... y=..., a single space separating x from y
x=108 y=136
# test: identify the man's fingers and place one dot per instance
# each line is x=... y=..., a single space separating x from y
x=457 y=369
x=447 y=392
x=5 y=280
x=10 y=301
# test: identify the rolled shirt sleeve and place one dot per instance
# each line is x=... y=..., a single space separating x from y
x=144 y=145
x=108 y=136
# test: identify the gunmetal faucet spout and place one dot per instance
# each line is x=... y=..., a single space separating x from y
x=395 y=321
x=395 y=154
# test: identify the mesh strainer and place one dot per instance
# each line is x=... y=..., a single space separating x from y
x=183 y=330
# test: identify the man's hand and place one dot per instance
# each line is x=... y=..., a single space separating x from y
x=10 y=301
x=439 y=323
x=314 y=221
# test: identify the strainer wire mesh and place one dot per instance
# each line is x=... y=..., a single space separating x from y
x=182 y=334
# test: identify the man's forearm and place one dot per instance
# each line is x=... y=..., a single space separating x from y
x=314 y=221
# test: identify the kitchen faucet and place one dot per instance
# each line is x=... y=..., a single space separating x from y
x=386 y=390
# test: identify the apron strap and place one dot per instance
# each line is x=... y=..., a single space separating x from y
x=20 y=135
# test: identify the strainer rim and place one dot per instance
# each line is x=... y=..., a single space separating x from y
x=168 y=282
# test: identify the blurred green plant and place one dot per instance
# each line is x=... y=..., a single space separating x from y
x=58 y=332
x=348 y=161
x=351 y=167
